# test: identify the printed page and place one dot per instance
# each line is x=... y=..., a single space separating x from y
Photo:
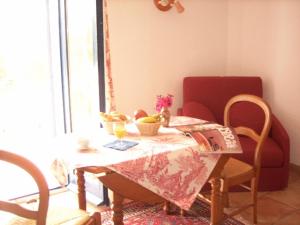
x=213 y=137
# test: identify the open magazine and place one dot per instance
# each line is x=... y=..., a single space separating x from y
x=213 y=137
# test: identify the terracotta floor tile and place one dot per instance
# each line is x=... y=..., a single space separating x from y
x=243 y=220
x=269 y=211
x=293 y=176
x=289 y=196
x=238 y=198
x=290 y=219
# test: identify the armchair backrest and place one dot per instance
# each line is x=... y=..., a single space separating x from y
x=215 y=91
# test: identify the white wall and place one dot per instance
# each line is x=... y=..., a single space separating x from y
x=151 y=51
x=264 y=39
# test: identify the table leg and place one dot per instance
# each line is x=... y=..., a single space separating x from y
x=167 y=207
x=216 y=201
x=81 y=189
x=117 y=207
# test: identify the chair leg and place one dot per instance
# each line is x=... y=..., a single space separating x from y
x=94 y=219
x=254 y=199
x=225 y=197
x=183 y=212
x=97 y=217
x=167 y=207
x=171 y=209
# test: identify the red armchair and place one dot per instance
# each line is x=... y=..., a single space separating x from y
x=205 y=98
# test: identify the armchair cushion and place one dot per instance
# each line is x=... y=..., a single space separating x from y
x=198 y=110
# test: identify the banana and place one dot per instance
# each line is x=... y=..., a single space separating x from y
x=156 y=116
x=147 y=119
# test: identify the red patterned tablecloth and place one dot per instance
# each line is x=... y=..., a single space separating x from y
x=170 y=164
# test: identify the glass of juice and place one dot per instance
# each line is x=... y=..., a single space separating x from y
x=119 y=129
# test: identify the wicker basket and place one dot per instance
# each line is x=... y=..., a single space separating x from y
x=148 y=129
x=108 y=126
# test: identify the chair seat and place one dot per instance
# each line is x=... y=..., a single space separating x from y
x=57 y=216
x=236 y=171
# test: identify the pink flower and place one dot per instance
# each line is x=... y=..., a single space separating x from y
x=163 y=101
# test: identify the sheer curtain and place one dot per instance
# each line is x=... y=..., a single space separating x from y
x=110 y=98
x=32 y=109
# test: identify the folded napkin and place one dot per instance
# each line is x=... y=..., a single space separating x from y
x=117 y=145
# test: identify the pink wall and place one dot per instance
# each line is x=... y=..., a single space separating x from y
x=264 y=39
x=151 y=51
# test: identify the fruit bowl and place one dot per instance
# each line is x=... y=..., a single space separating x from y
x=148 y=129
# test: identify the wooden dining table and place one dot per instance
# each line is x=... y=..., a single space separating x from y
x=122 y=188
x=170 y=167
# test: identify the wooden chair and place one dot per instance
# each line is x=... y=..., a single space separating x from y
x=240 y=173
x=42 y=215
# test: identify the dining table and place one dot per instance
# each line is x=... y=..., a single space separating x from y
x=170 y=167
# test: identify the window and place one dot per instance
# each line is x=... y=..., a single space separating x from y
x=48 y=73
x=82 y=63
x=30 y=88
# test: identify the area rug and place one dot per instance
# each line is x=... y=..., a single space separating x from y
x=137 y=213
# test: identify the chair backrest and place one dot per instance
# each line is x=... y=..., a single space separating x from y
x=40 y=214
x=258 y=137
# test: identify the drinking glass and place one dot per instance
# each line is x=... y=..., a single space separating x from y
x=119 y=129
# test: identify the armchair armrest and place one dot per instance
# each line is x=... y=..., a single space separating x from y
x=281 y=137
x=198 y=110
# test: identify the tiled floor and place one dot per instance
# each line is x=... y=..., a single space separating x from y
x=274 y=208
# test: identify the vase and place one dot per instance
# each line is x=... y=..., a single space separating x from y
x=165 y=115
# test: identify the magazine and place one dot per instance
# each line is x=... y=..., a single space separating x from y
x=213 y=137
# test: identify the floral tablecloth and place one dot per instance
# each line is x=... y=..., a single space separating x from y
x=174 y=164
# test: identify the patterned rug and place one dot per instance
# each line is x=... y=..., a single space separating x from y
x=137 y=213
